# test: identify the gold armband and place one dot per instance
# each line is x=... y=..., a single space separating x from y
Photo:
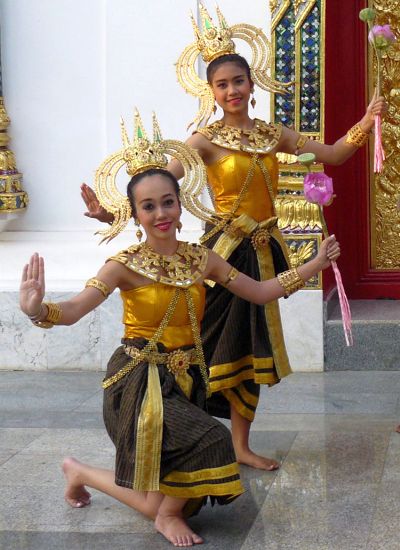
x=355 y=136
x=96 y=283
x=290 y=281
x=232 y=275
x=53 y=316
x=300 y=143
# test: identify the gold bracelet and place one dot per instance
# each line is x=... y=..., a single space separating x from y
x=96 y=283
x=290 y=281
x=356 y=136
x=232 y=275
x=54 y=312
x=53 y=316
x=300 y=143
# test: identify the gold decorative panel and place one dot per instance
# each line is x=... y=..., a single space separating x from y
x=385 y=187
x=298 y=40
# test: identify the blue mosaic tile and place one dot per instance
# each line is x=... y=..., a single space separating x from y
x=310 y=99
x=285 y=67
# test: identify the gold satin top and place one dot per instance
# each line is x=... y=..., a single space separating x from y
x=226 y=177
x=145 y=307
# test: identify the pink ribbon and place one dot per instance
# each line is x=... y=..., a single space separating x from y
x=344 y=306
x=379 y=153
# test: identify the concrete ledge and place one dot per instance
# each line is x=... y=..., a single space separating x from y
x=375 y=346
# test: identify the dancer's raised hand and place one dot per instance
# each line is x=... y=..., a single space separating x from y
x=32 y=287
x=94 y=208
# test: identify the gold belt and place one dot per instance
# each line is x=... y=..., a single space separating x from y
x=177 y=362
x=245 y=227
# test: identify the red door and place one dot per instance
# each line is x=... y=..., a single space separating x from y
x=346 y=99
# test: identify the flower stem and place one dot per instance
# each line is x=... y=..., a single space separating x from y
x=323 y=221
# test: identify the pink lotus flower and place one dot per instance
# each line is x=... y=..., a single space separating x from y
x=381 y=36
x=318 y=188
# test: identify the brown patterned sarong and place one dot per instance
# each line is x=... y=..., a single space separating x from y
x=243 y=342
x=197 y=456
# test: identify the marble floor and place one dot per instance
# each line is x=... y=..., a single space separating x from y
x=338 y=487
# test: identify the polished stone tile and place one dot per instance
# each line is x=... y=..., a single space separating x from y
x=287 y=398
x=347 y=381
x=304 y=518
x=81 y=541
x=44 y=468
x=391 y=471
x=42 y=508
x=337 y=488
x=226 y=527
x=5 y=456
x=79 y=439
x=93 y=404
x=334 y=459
x=385 y=526
x=17 y=381
x=17 y=439
x=323 y=422
x=50 y=419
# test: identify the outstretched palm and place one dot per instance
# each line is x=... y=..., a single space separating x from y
x=32 y=289
x=94 y=208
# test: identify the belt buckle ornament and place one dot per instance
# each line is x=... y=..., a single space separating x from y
x=260 y=238
x=178 y=362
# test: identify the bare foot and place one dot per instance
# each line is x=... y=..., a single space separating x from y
x=398 y=429
x=75 y=493
x=256 y=461
x=176 y=530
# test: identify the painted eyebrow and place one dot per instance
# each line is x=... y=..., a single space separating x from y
x=225 y=79
x=163 y=197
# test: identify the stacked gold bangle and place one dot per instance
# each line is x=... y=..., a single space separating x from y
x=290 y=281
x=53 y=316
x=356 y=136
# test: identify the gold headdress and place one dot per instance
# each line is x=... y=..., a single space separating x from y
x=138 y=156
x=212 y=42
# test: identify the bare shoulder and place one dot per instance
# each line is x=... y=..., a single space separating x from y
x=199 y=142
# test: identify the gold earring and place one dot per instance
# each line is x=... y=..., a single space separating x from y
x=179 y=226
x=214 y=108
x=253 y=100
x=139 y=232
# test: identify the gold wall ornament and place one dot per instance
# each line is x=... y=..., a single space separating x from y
x=301 y=249
x=385 y=187
x=12 y=196
x=295 y=213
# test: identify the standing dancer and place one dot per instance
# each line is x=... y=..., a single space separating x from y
x=244 y=345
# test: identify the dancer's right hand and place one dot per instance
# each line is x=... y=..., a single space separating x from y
x=329 y=251
x=94 y=208
x=32 y=289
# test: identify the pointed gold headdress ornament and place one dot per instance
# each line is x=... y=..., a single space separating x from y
x=139 y=155
x=213 y=42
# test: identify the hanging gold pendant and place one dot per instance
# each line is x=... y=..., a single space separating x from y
x=139 y=234
x=253 y=102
